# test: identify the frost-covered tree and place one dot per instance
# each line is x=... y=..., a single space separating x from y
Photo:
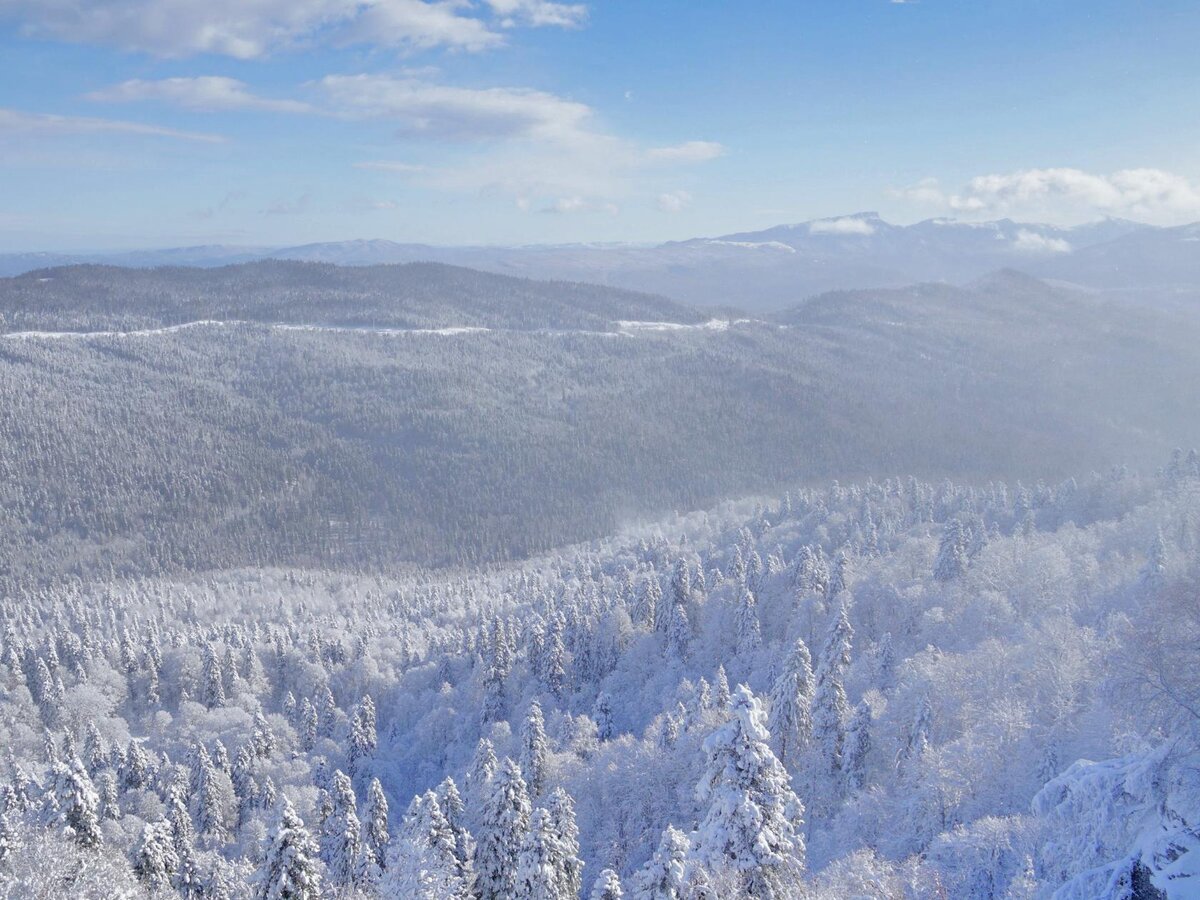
x=562 y=820
x=607 y=886
x=206 y=794
x=212 y=682
x=479 y=777
x=753 y=823
x=75 y=804
x=951 y=559
x=830 y=711
x=499 y=665
x=375 y=826
x=679 y=633
x=502 y=827
x=156 y=861
x=722 y=694
x=363 y=737
x=453 y=808
x=422 y=863
x=663 y=877
x=348 y=859
x=857 y=746
x=534 y=749
x=749 y=633
x=790 y=719
x=602 y=713
x=263 y=736
x=292 y=870
x=542 y=862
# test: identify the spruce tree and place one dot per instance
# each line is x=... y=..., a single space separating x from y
x=607 y=886
x=291 y=870
x=858 y=745
x=347 y=859
x=562 y=819
x=603 y=715
x=749 y=632
x=502 y=827
x=542 y=862
x=155 y=861
x=422 y=864
x=212 y=682
x=375 y=828
x=76 y=804
x=662 y=877
x=790 y=720
x=753 y=824
x=534 y=749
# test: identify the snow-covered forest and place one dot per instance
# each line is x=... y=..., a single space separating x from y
x=891 y=689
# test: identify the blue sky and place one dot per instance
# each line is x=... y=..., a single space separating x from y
x=167 y=122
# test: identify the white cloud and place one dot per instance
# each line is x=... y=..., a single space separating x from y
x=247 y=29
x=674 y=201
x=691 y=151
x=434 y=110
x=1031 y=242
x=567 y=205
x=539 y=13
x=206 y=92
x=844 y=225
x=16 y=123
x=1065 y=194
x=418 y=24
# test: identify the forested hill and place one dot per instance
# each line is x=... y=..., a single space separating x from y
x=232 y=444
x=415 y=295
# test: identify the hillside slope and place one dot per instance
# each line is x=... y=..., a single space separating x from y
x=240 y=443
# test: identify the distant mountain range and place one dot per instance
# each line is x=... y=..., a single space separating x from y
x=768 y=269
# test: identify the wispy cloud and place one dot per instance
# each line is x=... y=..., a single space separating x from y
x=203 y=92
x=538 y=13
x=427 y=109
x=690 y=151
x=18 y=123
x=569 y=205
x=674 y=201
x=247 y=29
x=1067 y=194
x=848 y=225
x=1032 y=242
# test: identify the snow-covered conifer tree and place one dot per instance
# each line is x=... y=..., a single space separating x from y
x=951 y=559
x=858 y=745
x=292 y=870
x=75 y=804
x=607 y=886
x=663 y=877
x=422 y=864
x=562 y=819
x=749 y=632
x=753 y=823
x=502 y=827
x=603 y=715
x=534 y=749
x=375 y=828
x=347 y=858
x=790 y=719
x=212 y=681
x=155 y=861
x=541 y=865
